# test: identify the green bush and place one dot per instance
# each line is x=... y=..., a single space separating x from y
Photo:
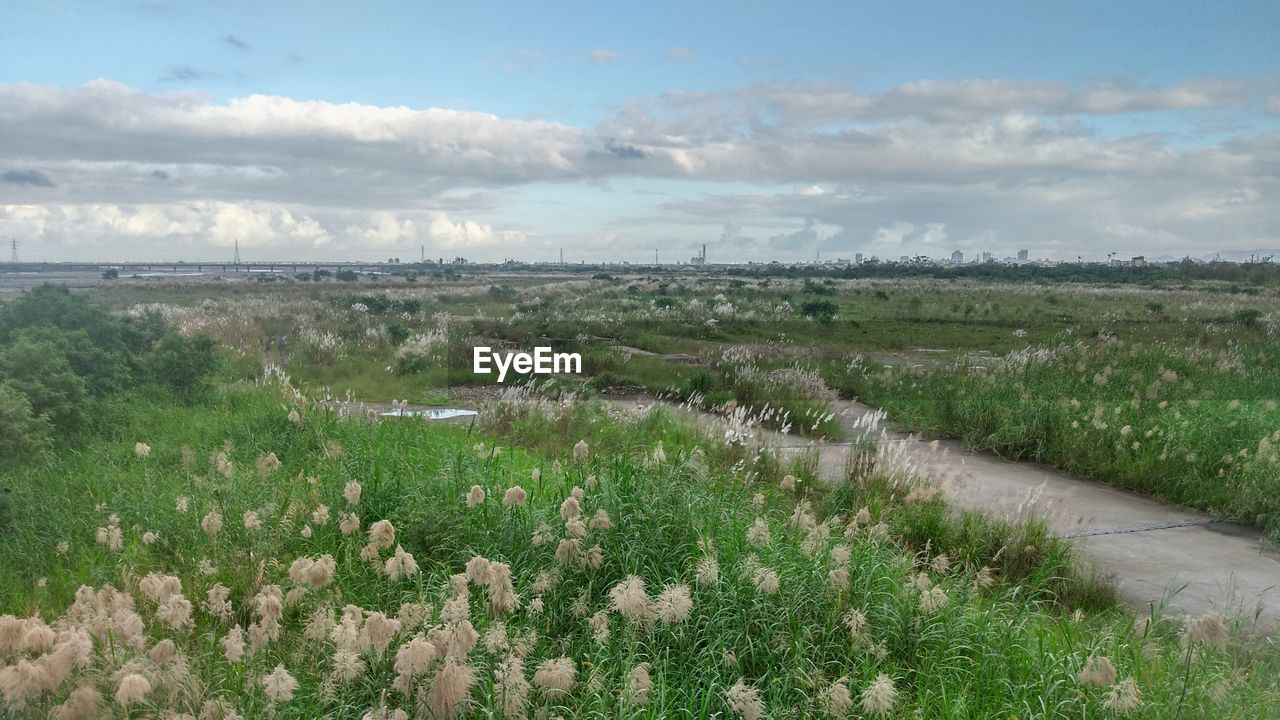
x=183 y=365
x=503 y=293
x=824 y=311
x=38 y=369
x=64 y=355
x=412 y=363
x=701 y=381
x=104 y=372
x=814 y=288
x=23 y=433
x=1247 y=316
x=54 y=306
x=397 y=334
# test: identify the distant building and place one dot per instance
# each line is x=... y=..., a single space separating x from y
x=857 y=258
x=957 y=258
x=700 y=259
x=988 y=257
x=1022 y=255
x=1135 y=261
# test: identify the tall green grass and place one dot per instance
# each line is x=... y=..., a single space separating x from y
x=1004 y=650
x=1195 y=426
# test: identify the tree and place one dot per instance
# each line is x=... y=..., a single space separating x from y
x=38 y=369
x=54 y=305
x=103 y=372
x=23 y=433
x=63 y=355
x=183 y=365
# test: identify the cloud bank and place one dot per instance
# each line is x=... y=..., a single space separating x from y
x=927 y=166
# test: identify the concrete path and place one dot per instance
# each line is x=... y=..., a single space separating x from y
x=1157 y=552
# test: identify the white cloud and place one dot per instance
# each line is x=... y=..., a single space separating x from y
x=934 y=236
x=602 y=57
x=925 y=162
x=252 y=225
x=450 y=233
x=154 y=230
x=893 y=236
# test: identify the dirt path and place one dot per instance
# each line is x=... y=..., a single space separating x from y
x=1157 y=551
x=670 y=357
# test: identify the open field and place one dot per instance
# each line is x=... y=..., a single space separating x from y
x=1168 y=388
x=230 y=543
x=648 y=572
x=646 y=361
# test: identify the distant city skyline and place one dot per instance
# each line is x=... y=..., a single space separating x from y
x=956 y=258
x=172 y=130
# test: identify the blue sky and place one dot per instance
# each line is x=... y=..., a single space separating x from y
x=792 y=127
x=518 y=58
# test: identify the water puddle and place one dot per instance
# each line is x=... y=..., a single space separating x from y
x=429 y=413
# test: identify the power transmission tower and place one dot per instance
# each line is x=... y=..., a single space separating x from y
x=237 y=258
x=14 y=254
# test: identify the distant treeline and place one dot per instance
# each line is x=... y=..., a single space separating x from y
x=1240 y=276
x=1251 y=274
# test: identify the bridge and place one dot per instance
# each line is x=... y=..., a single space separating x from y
x=221 y=268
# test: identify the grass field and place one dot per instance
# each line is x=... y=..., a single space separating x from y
x=244 y=553
x=249 y=561
x=1167 y=387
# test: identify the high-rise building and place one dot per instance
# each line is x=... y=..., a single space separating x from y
x=1022 y=255
x=957 y=258
x=857 y=258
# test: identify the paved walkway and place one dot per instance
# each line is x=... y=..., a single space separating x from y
x=1156 y=551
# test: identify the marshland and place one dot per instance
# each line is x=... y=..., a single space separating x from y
x=204 y=516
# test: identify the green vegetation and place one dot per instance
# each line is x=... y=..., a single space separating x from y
x=64 y=364
x=277 y=560
x=824 y=311
x=992 y=362
x=23 y=433
x=244 y=552
x=1249 y=275
x=1196 y=427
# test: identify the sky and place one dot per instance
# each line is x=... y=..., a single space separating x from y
x=766 y=131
